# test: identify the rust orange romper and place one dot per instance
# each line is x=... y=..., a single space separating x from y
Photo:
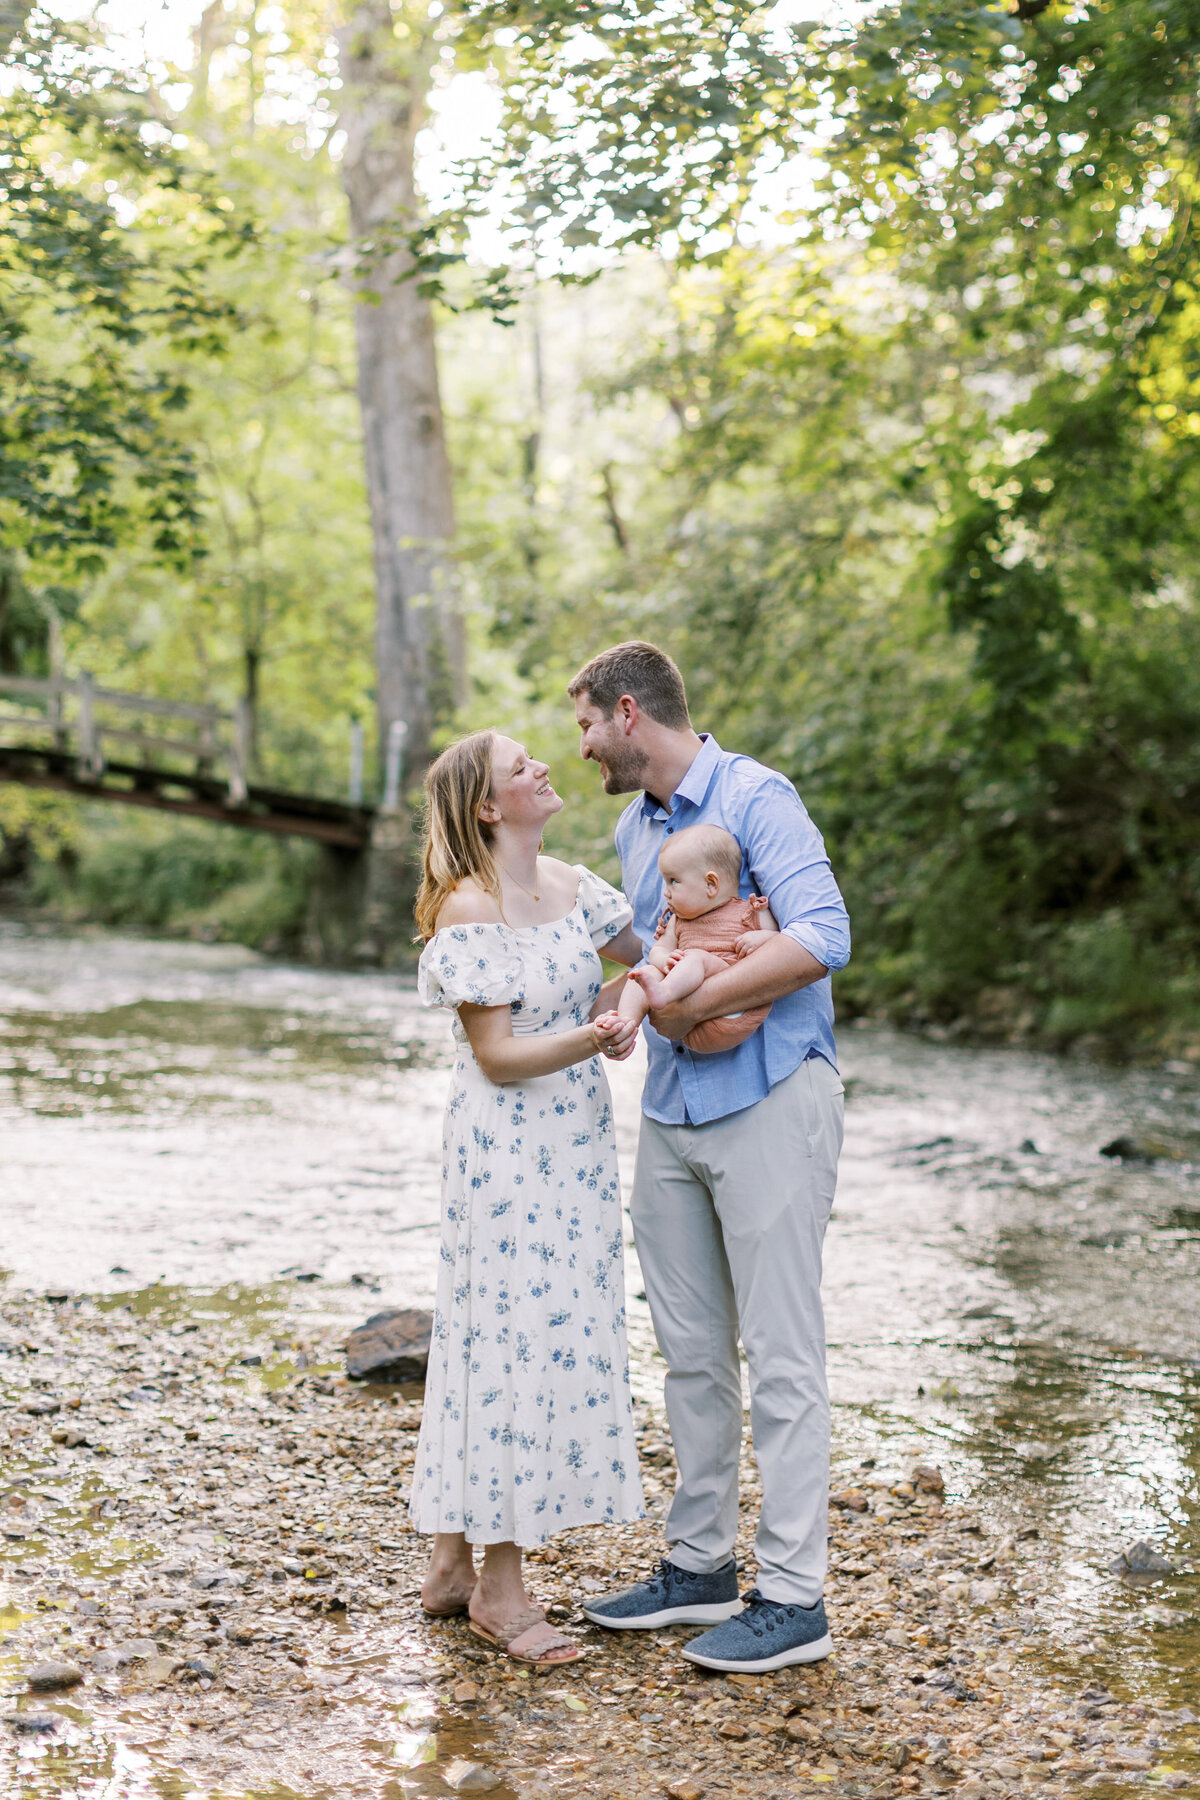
x=718 y=931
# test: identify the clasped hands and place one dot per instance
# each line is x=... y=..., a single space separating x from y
x=615 y=1036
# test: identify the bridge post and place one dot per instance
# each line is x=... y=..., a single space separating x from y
x=333 y=925
x=389 y=891
x=239 y=757
x=91 y=761
x=356 y=763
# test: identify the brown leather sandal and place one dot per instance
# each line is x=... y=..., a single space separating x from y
x=529 y=1638
x=446 y=1612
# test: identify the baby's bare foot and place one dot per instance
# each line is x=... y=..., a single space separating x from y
x=651 y=984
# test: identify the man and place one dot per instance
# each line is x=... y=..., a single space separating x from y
x=736 y=1169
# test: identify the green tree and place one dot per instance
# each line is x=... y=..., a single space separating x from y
x=105 y=247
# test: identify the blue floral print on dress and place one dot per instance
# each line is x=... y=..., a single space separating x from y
x=515 y=1357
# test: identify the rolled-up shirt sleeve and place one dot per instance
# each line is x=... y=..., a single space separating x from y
x=786 y=857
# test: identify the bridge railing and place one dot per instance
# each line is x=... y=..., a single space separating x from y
x=78 y=714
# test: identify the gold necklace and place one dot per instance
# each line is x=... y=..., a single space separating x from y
x=533 y=895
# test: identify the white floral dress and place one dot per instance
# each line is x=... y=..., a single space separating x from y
x=527 y=1428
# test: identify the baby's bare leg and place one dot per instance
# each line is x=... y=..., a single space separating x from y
x=679 y=981
x=633 y=1003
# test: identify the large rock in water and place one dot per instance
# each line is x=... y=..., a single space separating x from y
x=391 y=1346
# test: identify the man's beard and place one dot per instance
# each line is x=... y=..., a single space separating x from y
x=624 y=767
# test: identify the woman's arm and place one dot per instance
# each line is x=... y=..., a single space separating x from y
x=503 y=1057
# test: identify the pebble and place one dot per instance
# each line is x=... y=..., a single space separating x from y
x=198 y=1668
x=257 y=1488
x=470 y=1778
x=928 y=1480
x=159 y=1669
x=51 y=1677
x=1141 y=1559
x=32 y=1724
x=1129 y=1758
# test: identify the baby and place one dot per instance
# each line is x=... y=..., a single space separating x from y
x=706 y=928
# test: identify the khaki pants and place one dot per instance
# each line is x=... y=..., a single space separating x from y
x=730 y=1221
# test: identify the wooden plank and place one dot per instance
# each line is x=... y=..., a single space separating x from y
x=29 y=684
x=164 y=709
x=119 y=697
x=170 y=746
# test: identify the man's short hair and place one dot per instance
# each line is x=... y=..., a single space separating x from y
x=642 y=671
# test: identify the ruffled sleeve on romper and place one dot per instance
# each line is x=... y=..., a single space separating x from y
x=606 y=911
x=476 y=965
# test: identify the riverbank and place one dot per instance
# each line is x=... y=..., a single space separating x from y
x=208 y=1538
x=245 y=1155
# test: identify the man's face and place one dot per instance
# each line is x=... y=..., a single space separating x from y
x=606 y=742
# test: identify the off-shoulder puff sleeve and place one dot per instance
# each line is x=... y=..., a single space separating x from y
x=606 y=911
x=477 y=965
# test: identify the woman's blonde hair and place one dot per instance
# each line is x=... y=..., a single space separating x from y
x=457 y=842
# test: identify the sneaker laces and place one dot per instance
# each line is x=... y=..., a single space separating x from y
x=667 y=1573
x=663 y=1571
x=764 y=1609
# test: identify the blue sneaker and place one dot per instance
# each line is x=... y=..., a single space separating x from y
x=671 y=1597
x=767 y=1634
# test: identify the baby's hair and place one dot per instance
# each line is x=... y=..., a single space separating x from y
x=716 y=847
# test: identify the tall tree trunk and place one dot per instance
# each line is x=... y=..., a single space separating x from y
x=385 y=60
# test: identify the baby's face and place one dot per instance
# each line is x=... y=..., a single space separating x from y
x=691 y=888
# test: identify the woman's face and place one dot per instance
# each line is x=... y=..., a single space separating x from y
x=521 y=790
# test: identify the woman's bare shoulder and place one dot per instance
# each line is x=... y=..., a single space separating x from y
x=551 y=869
x=469 y=904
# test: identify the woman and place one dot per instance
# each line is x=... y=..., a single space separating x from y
x=527 y=1428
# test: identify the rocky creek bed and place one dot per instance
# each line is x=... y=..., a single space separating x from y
x=210 y=1589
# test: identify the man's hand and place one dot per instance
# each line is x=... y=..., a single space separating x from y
x=676 y=1020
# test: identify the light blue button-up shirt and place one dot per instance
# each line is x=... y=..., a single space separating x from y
x=784 y=858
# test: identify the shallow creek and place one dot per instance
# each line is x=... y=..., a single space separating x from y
x=214 y=1140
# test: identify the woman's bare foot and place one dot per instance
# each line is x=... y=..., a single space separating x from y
x=450 y=1578
x=651 y=984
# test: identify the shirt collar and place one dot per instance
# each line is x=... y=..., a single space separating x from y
x=696 y=782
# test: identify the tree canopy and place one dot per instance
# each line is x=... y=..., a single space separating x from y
x=854 y=361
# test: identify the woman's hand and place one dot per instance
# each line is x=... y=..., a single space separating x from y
x=615 y=1035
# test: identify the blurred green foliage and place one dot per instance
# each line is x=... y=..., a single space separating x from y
x=177 y=876
x=907 y=479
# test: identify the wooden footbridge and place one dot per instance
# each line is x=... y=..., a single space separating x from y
x=77 y=737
